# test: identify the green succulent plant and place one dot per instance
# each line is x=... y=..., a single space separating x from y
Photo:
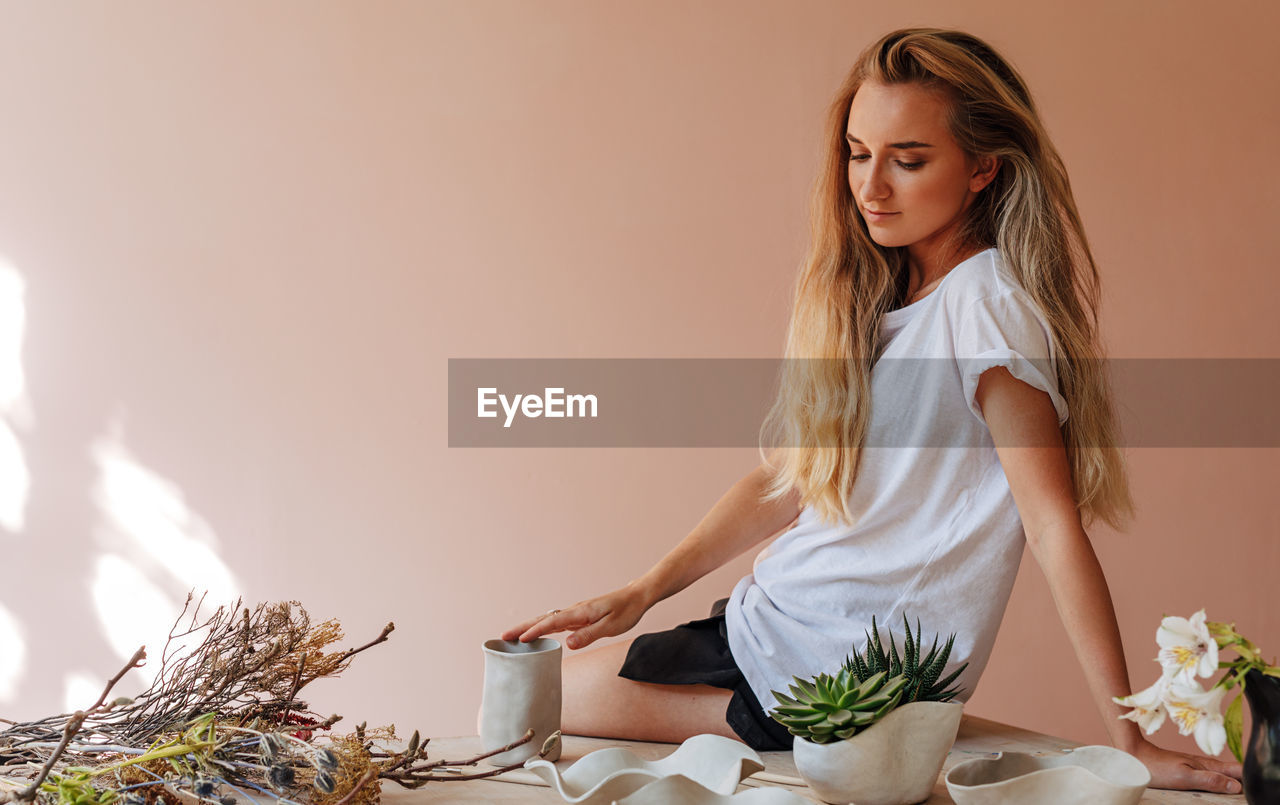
x=829 y=708
x=921 y=673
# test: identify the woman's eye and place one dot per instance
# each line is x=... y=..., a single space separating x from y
x=906 y=165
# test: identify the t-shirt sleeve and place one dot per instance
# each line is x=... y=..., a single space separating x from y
x=1007 y=330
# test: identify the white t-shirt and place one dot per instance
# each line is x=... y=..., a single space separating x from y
x=938 y=536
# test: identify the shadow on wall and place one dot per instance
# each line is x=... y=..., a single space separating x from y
x=15 y=478
x=151 y=548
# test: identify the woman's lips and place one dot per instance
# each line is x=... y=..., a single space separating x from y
x=878 y=216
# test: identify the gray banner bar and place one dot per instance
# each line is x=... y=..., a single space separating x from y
x=721 y=402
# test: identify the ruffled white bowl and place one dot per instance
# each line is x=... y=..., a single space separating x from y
x=712 y=762
x=1089 y=775
x=680 y=790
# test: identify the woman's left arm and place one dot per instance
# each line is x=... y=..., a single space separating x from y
x=1024 y=427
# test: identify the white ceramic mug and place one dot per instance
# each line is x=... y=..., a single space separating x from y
x=521 y=690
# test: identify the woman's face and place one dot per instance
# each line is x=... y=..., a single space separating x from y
x=905 y=164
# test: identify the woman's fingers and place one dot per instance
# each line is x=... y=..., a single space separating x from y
x=515 y=631
x=1207 y=774
x=556 y=620
x=1204 y=780
x=1180 y=770
x=603 y=616
x=1229 y=768
x=1217 y=775
x=1211 y=774
x=588 y=634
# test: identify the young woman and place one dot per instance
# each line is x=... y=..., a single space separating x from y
x=942 y=407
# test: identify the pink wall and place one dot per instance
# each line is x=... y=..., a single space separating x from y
x=251 y=237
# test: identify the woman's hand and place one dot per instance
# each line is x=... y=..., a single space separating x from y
x=603 y=616
x=1179 y=770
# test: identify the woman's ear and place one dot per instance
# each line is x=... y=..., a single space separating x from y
x=985 y=169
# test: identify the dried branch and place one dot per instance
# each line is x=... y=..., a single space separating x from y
x=73 y=727
x=222 y=710
x=416 y=776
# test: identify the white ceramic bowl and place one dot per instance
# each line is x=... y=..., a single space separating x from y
x=713 y=762
x=680 y=790
x=1088 y=775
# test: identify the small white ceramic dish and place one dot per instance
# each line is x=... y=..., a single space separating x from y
x=680 y=790
x=607 y=775
x=1088 y=775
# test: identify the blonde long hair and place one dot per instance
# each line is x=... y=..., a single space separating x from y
x=848 y=282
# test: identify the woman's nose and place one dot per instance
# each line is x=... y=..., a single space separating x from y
x=874 y=187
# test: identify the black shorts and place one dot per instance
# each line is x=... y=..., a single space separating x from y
x=695 y=653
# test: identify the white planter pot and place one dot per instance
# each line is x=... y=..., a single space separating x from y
x=521 y=690
x=894 y=762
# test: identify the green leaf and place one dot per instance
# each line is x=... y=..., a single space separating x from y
x=796 y=711
x=809 y=689
x=801 y=721
x=840 y=718
x=875 y=652
x=932 y=669
x=894 y=686
x=859 y=667
x=827 y=687
x=872 y=702
x=892 y=703
x=910 y=648
x=950 y=678
x=1234 y=722
x=872 y=684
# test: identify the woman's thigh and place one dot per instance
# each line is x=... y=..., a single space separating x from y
x=600 y=703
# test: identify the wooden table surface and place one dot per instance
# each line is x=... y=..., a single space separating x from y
x=978 y=738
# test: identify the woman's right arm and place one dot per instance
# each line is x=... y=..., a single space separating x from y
x=737 y=522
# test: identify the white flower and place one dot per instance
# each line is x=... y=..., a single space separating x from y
x=1195 y=710
x=1186 y=648
x=1148 y=706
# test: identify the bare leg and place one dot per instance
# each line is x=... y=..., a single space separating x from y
x=600 y=703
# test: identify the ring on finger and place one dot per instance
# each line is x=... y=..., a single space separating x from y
x=551 y=612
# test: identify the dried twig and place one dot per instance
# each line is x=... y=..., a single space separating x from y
x=222 y=710
x=73 y=727
x=417 y=776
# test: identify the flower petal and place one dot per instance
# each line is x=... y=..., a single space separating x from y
x=1174 y=631
x=1211 y=735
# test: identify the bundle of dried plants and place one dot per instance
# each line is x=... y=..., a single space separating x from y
x=222 y=720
